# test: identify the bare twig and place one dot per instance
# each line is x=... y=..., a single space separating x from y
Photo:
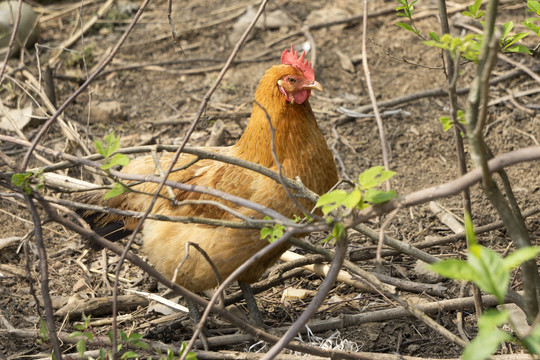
x=16 y=24
x=44 y=276
x=208 y=260
x=400 y=246
x=384 y=144
x=380 y=243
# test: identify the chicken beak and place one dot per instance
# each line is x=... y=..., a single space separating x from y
x=313 y=85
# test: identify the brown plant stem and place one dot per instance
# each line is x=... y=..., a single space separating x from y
x=44 y=277
x=451 y=76
x=476 y=118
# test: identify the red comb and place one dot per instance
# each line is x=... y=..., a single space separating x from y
x=291 y=58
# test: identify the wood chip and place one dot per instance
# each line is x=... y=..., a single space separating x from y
x=291 y=294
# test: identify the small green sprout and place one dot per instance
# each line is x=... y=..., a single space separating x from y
x=363 y=194
x=491 y=273
x=112 y=158
x=447 y=122
x=29 y=181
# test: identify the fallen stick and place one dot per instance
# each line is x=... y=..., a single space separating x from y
x=348 y=279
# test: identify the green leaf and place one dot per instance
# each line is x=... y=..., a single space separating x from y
x=473 y=10
x=99 y=148
x=274 y=232
x=81 y=347
x=483 y=346
x=337 y=232
x=446 y=123
x=519 y=36
x=129 y=355
x=19 y=179
x=531 y=26
x=507 y=42
x=191 y=355
x=520 y=256
x=375 y=196
x=123 y=335
x=461 y=116
x=492 y=318
x=88 y=335
x=134 y=336
x=507 y=27
x=75 y=334
x=23 y=180
x=454 y=269
x=265 y=232
x=492 y=277
x=113 y=143
x=120 y=159
x=475 y=7
x=489 y=336
x=434 y=36
x=484 y=267
x=332 y=200
x=532 y=19
x=522 y=49
x=374 y=176
x=532 y=341
x=141 y=344
x=406 y=27
x=533 y=5
x=436 y=44
x=117 y=189
x=353 y=199
x=117 y=159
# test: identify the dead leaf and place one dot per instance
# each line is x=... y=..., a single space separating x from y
x=20 y=118
x=345 y=62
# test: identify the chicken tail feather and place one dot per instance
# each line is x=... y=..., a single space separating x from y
x=111 y=227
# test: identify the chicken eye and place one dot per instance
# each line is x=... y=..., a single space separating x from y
x=292 y=80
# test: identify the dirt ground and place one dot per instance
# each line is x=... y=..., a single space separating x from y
x=151 y=91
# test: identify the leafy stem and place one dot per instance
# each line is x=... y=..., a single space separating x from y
x=109 y=152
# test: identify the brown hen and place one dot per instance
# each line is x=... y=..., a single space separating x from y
x=300 y=148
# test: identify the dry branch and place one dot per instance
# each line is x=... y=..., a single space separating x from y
x=77 y=306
